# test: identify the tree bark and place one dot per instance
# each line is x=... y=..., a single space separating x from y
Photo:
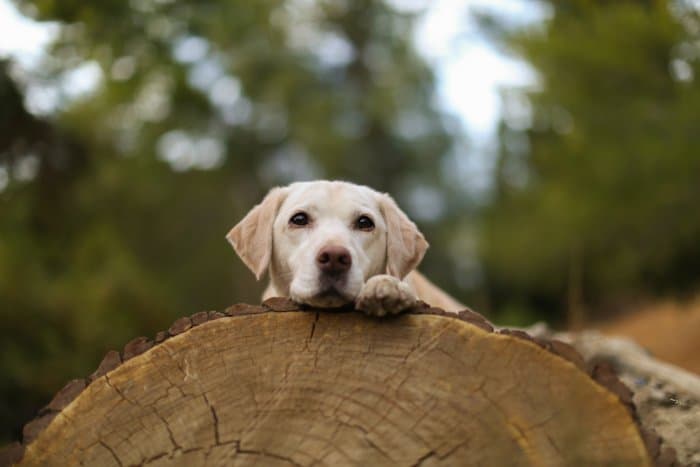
x=266 y=387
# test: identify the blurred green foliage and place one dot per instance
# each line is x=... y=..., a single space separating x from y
x=112 y=222
x=114 y=217
x=598 y=182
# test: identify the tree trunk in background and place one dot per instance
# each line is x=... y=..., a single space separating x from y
x=576 y=316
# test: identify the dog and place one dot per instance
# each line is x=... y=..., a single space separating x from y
x=331 y=243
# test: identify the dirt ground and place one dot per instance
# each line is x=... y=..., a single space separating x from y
x=669 y=330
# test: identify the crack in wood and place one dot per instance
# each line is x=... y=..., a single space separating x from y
x=265 y=453
x=392 y=401
x=313 y=326
x=153 y=458
x=423 y=458
x=152 y=409
x=215 y=417
x=433 y=453
x=111 y=451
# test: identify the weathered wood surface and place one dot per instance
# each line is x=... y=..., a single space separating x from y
x=666 y=397
x=317 y=388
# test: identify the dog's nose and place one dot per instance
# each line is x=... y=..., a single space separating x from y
x=334 y=259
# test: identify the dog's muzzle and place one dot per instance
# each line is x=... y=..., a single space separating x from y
x=334 y=263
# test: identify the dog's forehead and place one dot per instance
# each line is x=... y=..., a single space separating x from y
x=334 y=197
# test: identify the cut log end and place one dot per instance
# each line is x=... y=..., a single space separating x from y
x=276 y=386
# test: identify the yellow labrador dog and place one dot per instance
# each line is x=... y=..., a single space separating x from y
x=330 y=243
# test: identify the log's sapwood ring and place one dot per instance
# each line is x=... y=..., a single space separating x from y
x=269 y=388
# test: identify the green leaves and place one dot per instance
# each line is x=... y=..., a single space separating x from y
x=612 y=158
x=201 y=108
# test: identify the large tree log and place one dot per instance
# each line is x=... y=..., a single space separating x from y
x=666 y=397
x=320 y=388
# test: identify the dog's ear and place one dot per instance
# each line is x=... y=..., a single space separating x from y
x=405 y=245
x=252 y=236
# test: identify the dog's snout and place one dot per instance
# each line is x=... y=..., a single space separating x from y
x=334 y=259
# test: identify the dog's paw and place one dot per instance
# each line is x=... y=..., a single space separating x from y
x=384 y=294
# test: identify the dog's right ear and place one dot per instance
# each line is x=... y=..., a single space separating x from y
x=252 y=237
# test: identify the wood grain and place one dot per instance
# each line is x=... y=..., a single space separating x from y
x=318 y=388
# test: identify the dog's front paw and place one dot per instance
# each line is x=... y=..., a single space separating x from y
x=384 y=294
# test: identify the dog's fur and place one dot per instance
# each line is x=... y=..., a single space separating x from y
x=378 y=264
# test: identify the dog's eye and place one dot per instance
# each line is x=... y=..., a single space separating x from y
x=364 y=223
x=300 y=219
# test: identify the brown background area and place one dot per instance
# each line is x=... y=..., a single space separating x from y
x=670 y=330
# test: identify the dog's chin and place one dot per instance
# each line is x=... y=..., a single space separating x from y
x=328 y=298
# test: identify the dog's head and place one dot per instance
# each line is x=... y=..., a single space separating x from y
x=322 y=240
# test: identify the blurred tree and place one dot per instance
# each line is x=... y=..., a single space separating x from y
x=597 y=185
x=117 y=201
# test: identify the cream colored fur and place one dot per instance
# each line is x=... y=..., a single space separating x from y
x=382 y=278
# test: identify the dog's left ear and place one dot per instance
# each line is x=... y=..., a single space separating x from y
x=252 y=237
x=405 y=246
